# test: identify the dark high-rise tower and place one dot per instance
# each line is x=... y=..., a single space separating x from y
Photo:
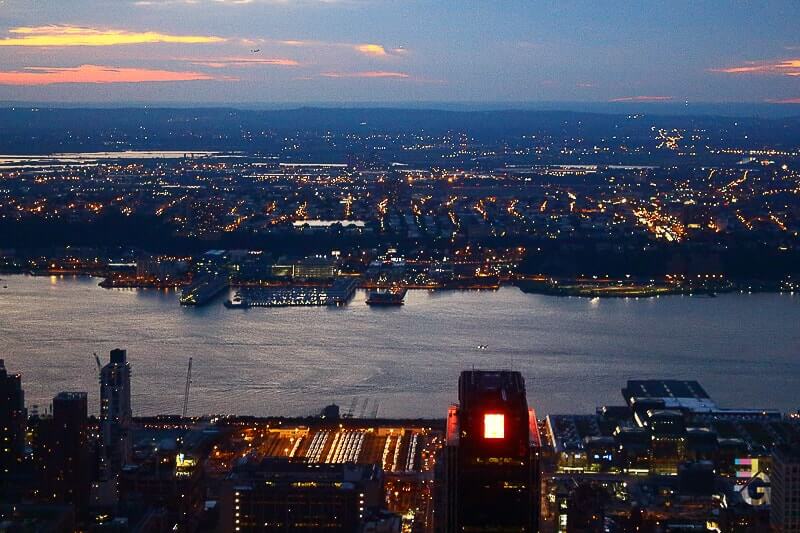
x=70 y=468
x=491 y=479
x=115 y=408
x=12 y=423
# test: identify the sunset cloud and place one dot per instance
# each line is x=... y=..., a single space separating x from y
x=785 y=67
x=38 y=36
x=223 y=62
x=785 y=101
x=375 y=50
x=366 y=74
x=644 y=98
x=95 y=74
x=367 y=49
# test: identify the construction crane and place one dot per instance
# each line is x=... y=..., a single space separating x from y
x=363 y=412
x=186 y=392
x=350 y=413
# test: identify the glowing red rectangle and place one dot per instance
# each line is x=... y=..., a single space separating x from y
x=494 y=426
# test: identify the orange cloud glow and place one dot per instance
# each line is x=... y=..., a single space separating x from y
x=785 y=101
x=295 y=42
x=94 y=74
x=367 y=74
x=368 y=49
x=786 y=67
x=375 y=50
x=222 y=62
x=79 y=36
x=642 y=99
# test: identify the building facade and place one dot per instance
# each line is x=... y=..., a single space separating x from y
x=69 y=465
x=115 y=408
x=12 y=425
x=785 y=497
x=490 y=478
x=281 y=495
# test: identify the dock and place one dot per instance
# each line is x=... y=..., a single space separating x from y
x=336 y=294
x=203 y=290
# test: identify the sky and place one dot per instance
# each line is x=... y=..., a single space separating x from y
x=383 y=51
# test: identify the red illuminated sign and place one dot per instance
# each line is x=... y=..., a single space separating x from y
x=494 y=426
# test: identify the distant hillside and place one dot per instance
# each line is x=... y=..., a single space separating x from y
x=45 y=130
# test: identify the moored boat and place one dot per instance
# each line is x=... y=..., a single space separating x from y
x=393 y=296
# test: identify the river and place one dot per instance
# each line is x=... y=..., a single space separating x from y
x=575 y=353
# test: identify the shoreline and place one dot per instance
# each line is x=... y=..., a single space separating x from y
x=605 y=289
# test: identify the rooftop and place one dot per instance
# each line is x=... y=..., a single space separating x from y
x=676 y=394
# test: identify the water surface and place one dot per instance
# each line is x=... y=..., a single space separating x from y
x=575 y=353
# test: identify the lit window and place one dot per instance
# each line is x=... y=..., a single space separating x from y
x=494 y=426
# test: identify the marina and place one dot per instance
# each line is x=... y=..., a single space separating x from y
x=336 y=294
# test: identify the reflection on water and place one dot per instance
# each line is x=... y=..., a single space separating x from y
x=575 y=353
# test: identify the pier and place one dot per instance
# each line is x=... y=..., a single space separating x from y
x=203 y=290
x=336 y=294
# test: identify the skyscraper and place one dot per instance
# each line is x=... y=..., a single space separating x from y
x=491 y=479
x=12 y=423
x=70 y=468
x=115 y=408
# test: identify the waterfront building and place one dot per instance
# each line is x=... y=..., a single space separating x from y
x=212 y=263
x=320 y=268
x=664 y=424
x=316 y=267
x=671 y=455
x=161 y=268
x=490 y=478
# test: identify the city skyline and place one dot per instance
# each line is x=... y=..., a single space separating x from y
x=666 y=458
x=350 y=51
